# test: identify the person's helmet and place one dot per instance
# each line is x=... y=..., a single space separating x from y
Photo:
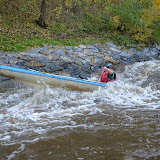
x=109 y=65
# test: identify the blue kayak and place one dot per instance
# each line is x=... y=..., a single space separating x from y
x=43 y=79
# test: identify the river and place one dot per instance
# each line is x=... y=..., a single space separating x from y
x=121 y=122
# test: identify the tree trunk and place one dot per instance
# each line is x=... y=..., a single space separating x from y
x=41 y=22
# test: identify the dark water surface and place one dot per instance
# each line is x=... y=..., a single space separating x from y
x=117 y=123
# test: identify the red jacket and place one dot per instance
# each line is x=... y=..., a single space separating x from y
x=104 y=77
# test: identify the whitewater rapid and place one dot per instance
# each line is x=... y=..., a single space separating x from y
x=28 y=114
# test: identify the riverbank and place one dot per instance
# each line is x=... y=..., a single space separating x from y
x=79 y=62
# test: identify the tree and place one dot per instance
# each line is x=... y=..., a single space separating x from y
x=41 y=21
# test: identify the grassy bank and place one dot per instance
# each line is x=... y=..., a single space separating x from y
x=20 y=43
x=71 y=22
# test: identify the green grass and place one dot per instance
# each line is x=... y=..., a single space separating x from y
x=19 y=43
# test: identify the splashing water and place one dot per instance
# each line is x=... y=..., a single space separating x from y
x=30 y=114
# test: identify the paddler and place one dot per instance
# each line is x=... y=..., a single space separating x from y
x=108 y=74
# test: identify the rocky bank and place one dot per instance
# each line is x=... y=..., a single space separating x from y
x=78 y=62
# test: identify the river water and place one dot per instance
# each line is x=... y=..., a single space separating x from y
x=117 y=123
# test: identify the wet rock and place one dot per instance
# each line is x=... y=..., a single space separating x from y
x=71 y=67
x=138 y=58
x=95 y=68
x=53 y=67
x=131 y=60
x=79 y=73
x=3 y=78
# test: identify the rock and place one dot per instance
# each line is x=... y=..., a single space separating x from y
x=12 y=56
x=70 y=52
x=140 y=54
x=116 y=56
x=34 y=51
x=146 y=50
x=113 y=49
x=153 y=54
x=86 y=65
x=43 y=60
x=126 y=54
x=70 y=68
x=48 y=46
x=53 y=67
x=132 y=51
x=88 y=52
x=79 y=61
x=66 y=59
x=15 y=61
x=138 y=58
x=95 y=50
x=68 y=48
x=34 y=63
x=3 y=79
x=131 y=60
x=95 y=68
x=109 y=44
x=82 y=46
x=81 y=74
x=90 y=47
x=78 y=49
x=123 y=62
x=42 y=51
x=88 y=58
x=53 y=57
x=158 y=47
x=59 y=52
x=110 y=53
x=102 y=50
x=110 y=59
x=98 y=60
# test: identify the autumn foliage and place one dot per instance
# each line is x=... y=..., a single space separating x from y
x=123 y=21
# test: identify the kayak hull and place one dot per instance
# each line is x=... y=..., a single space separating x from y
x=44 y=79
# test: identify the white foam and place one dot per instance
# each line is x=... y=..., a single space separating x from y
x=22 y=147
x=6 y=138
x=35 y=111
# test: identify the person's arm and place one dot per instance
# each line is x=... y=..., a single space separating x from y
x=108 y=70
